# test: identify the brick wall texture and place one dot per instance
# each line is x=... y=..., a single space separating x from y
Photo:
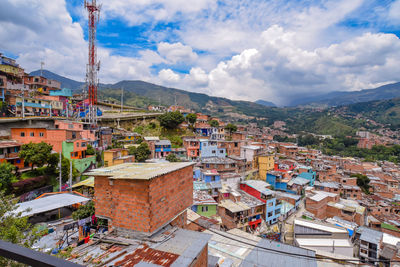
x=144 y=205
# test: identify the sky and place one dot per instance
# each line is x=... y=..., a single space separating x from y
x=275 y=50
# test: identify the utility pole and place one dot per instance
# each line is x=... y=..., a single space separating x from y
x=70 y=175
x=122 y=100
x=60 y=176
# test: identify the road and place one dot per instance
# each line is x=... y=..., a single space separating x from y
x=287 y=226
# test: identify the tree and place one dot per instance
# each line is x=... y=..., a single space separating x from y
x=6 y=176
x=231 y=128
x=36 y=154
x=84 y=211
x=214 y=123
x=191 y=118
x=14 y=228
x=362 y=182
x=171 y=120
x=65 y=169
x=90 y=150
x=142 y=152
x=172 y=158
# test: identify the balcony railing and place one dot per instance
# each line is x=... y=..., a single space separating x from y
x=31 y=257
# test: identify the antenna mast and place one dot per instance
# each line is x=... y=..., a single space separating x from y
x=93 y=66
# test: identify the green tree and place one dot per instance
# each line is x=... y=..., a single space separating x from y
x=90 y=150
x=142 y=152
x=362 y=182
x=191 y=118
x=84 y=211
x=65 y=169
x=6 y=176
x=214 y=123
x=172 y=158
x=14 y=228
x=36 y=154
x=171 y=120
x=231 y=128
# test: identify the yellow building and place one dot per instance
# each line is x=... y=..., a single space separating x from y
x=265 y=164
x=117 y=156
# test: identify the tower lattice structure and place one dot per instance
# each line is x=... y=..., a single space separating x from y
x=93 y=65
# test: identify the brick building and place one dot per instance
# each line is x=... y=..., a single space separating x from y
x=143 y=197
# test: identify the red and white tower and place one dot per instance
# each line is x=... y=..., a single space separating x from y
x=93 y=66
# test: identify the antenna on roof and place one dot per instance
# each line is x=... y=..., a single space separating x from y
x=41 y=68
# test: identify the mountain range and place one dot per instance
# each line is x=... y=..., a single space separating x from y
x=150 y=94
x=338 y=116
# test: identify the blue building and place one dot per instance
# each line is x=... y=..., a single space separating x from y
x=209 y=149
x=309 y=174
x=260 y=190
x=276 y=181
x=162 y=149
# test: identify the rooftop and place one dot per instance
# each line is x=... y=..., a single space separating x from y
x=216 y=160
x=326 y=227
x=202 y=198
x=48 y=203
x=260 y=186
x=170 y=247
x=140 y=171
x=9 y=143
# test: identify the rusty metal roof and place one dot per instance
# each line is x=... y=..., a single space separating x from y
x=149 y=255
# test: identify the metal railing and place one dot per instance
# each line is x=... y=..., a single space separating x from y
x=31 y=257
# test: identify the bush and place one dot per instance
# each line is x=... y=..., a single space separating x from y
x=171 y=120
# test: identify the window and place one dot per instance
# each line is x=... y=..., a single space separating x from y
x=41 y=134
x=269 y=214
x=221 y=151
x=22 y=134
x=236 y=144
x=77 y=144
x=207 y=165
x=204 y=208
x=213 y=152
x=32 y=134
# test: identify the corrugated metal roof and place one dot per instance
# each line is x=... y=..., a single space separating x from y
x=140 y=171
x=330 y=228
x=48 y=203
x=233 y=206
x=88 y=182
x=370 y=236
x=263 y=257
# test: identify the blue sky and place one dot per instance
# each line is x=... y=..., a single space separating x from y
x=241 y=49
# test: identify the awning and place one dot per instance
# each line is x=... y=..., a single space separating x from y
x=88 y=182
x=48 y=203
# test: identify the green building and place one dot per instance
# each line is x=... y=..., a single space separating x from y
x=78 y=156
x=204 y=204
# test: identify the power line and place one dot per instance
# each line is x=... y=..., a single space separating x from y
x=284 y=252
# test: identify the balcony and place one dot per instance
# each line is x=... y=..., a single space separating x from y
x=11 y=155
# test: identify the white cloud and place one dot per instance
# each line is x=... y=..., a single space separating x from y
x=176 y=52
x=241 y=49
x=168 y=76
x=136 y=12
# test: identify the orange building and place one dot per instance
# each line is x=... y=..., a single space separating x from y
x=9 y=150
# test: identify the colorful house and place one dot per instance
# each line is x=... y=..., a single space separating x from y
x=276 y=180
x=209 y=149
x=204 y=204
x=264 y=165
x=308 y=173
x=9 y=150
x=192 y=148
x=117 y=156
x=261 y=191
x=66 y=137
x=162 y=149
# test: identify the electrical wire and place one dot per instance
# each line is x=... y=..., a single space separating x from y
x=284 y=252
